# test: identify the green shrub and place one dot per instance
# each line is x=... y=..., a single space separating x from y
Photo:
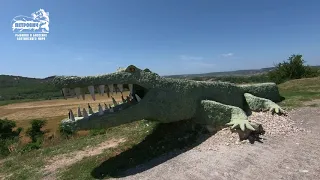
x=293 y=68
x=4 y=146
x=8 y=136
x=6 y=129
x=31 y=146
x=66 y=131
x=35 y=132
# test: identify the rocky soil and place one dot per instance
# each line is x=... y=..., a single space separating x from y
x=289 y=149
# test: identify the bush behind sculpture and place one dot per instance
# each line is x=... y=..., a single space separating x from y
x=293 y=68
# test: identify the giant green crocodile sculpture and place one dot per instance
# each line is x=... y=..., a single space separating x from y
x=167 y=100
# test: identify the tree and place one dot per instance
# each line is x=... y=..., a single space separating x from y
x=293 y=68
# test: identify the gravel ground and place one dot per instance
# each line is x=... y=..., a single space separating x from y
x=290 y=149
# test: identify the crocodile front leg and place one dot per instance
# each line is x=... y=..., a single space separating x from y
x=261 y=104
x=215 y=114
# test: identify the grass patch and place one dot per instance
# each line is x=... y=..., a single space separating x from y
x=299 y=91
x=174 y=137
x=28 y=165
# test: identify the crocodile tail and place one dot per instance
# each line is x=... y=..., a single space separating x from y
x=263 y=90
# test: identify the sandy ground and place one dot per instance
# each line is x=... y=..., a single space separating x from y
x=290 y=150
x=52 y=108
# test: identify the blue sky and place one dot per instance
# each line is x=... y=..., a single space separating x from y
x=168 y=36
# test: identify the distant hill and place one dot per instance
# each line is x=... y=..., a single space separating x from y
x=248 y=72
x=18 y=87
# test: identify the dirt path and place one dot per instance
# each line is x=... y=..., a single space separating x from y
x=282 y=155
x=64 y=160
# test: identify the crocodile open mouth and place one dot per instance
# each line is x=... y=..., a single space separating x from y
x=136 y=94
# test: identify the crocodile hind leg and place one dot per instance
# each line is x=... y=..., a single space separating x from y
x=261 y=104
x=214 y=115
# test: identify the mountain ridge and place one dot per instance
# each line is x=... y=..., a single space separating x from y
x=243 y=72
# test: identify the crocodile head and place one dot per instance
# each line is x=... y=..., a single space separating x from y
x=132 y=108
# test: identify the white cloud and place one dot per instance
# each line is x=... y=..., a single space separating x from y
x=195 y=62
x=227 y=55
x=190 y=58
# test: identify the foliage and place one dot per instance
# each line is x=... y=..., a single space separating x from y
x=8 y=136
x=6 y=129
x=294 y=68
x=35 y=132
x=31 y=146
x=66 y=131
x=235 y=79
x=21 y=88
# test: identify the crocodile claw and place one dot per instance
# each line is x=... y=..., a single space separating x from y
x=242 y=123
x=277 y=109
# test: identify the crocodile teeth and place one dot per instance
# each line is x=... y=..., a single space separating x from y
x=101 y=88
x=130 y=96
x=107 y=91
x=138 y=98
x=78 y=92
x=100 y=109
x=110 y=86
x=116 y=88
x=109 y=106
x=91 y=90
x=79 y=112
x=98 y=90
x=128 y=99
x=114 y=101
x=71 y=116
x=90 y=109
x=72 y=93
x=105 y=106
x=83 y=94
x=130 y=88
x=85 y=114
x=64 y=92
x=120 y=86
x=123 y=100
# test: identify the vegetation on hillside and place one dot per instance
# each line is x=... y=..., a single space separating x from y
x=17 y=88
x=293 y=68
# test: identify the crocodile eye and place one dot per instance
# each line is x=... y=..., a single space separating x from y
x=132 y=69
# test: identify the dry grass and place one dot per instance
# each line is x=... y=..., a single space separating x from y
x=51 y=110
x=299 y=91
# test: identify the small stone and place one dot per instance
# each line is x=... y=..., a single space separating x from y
x=304 y=171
